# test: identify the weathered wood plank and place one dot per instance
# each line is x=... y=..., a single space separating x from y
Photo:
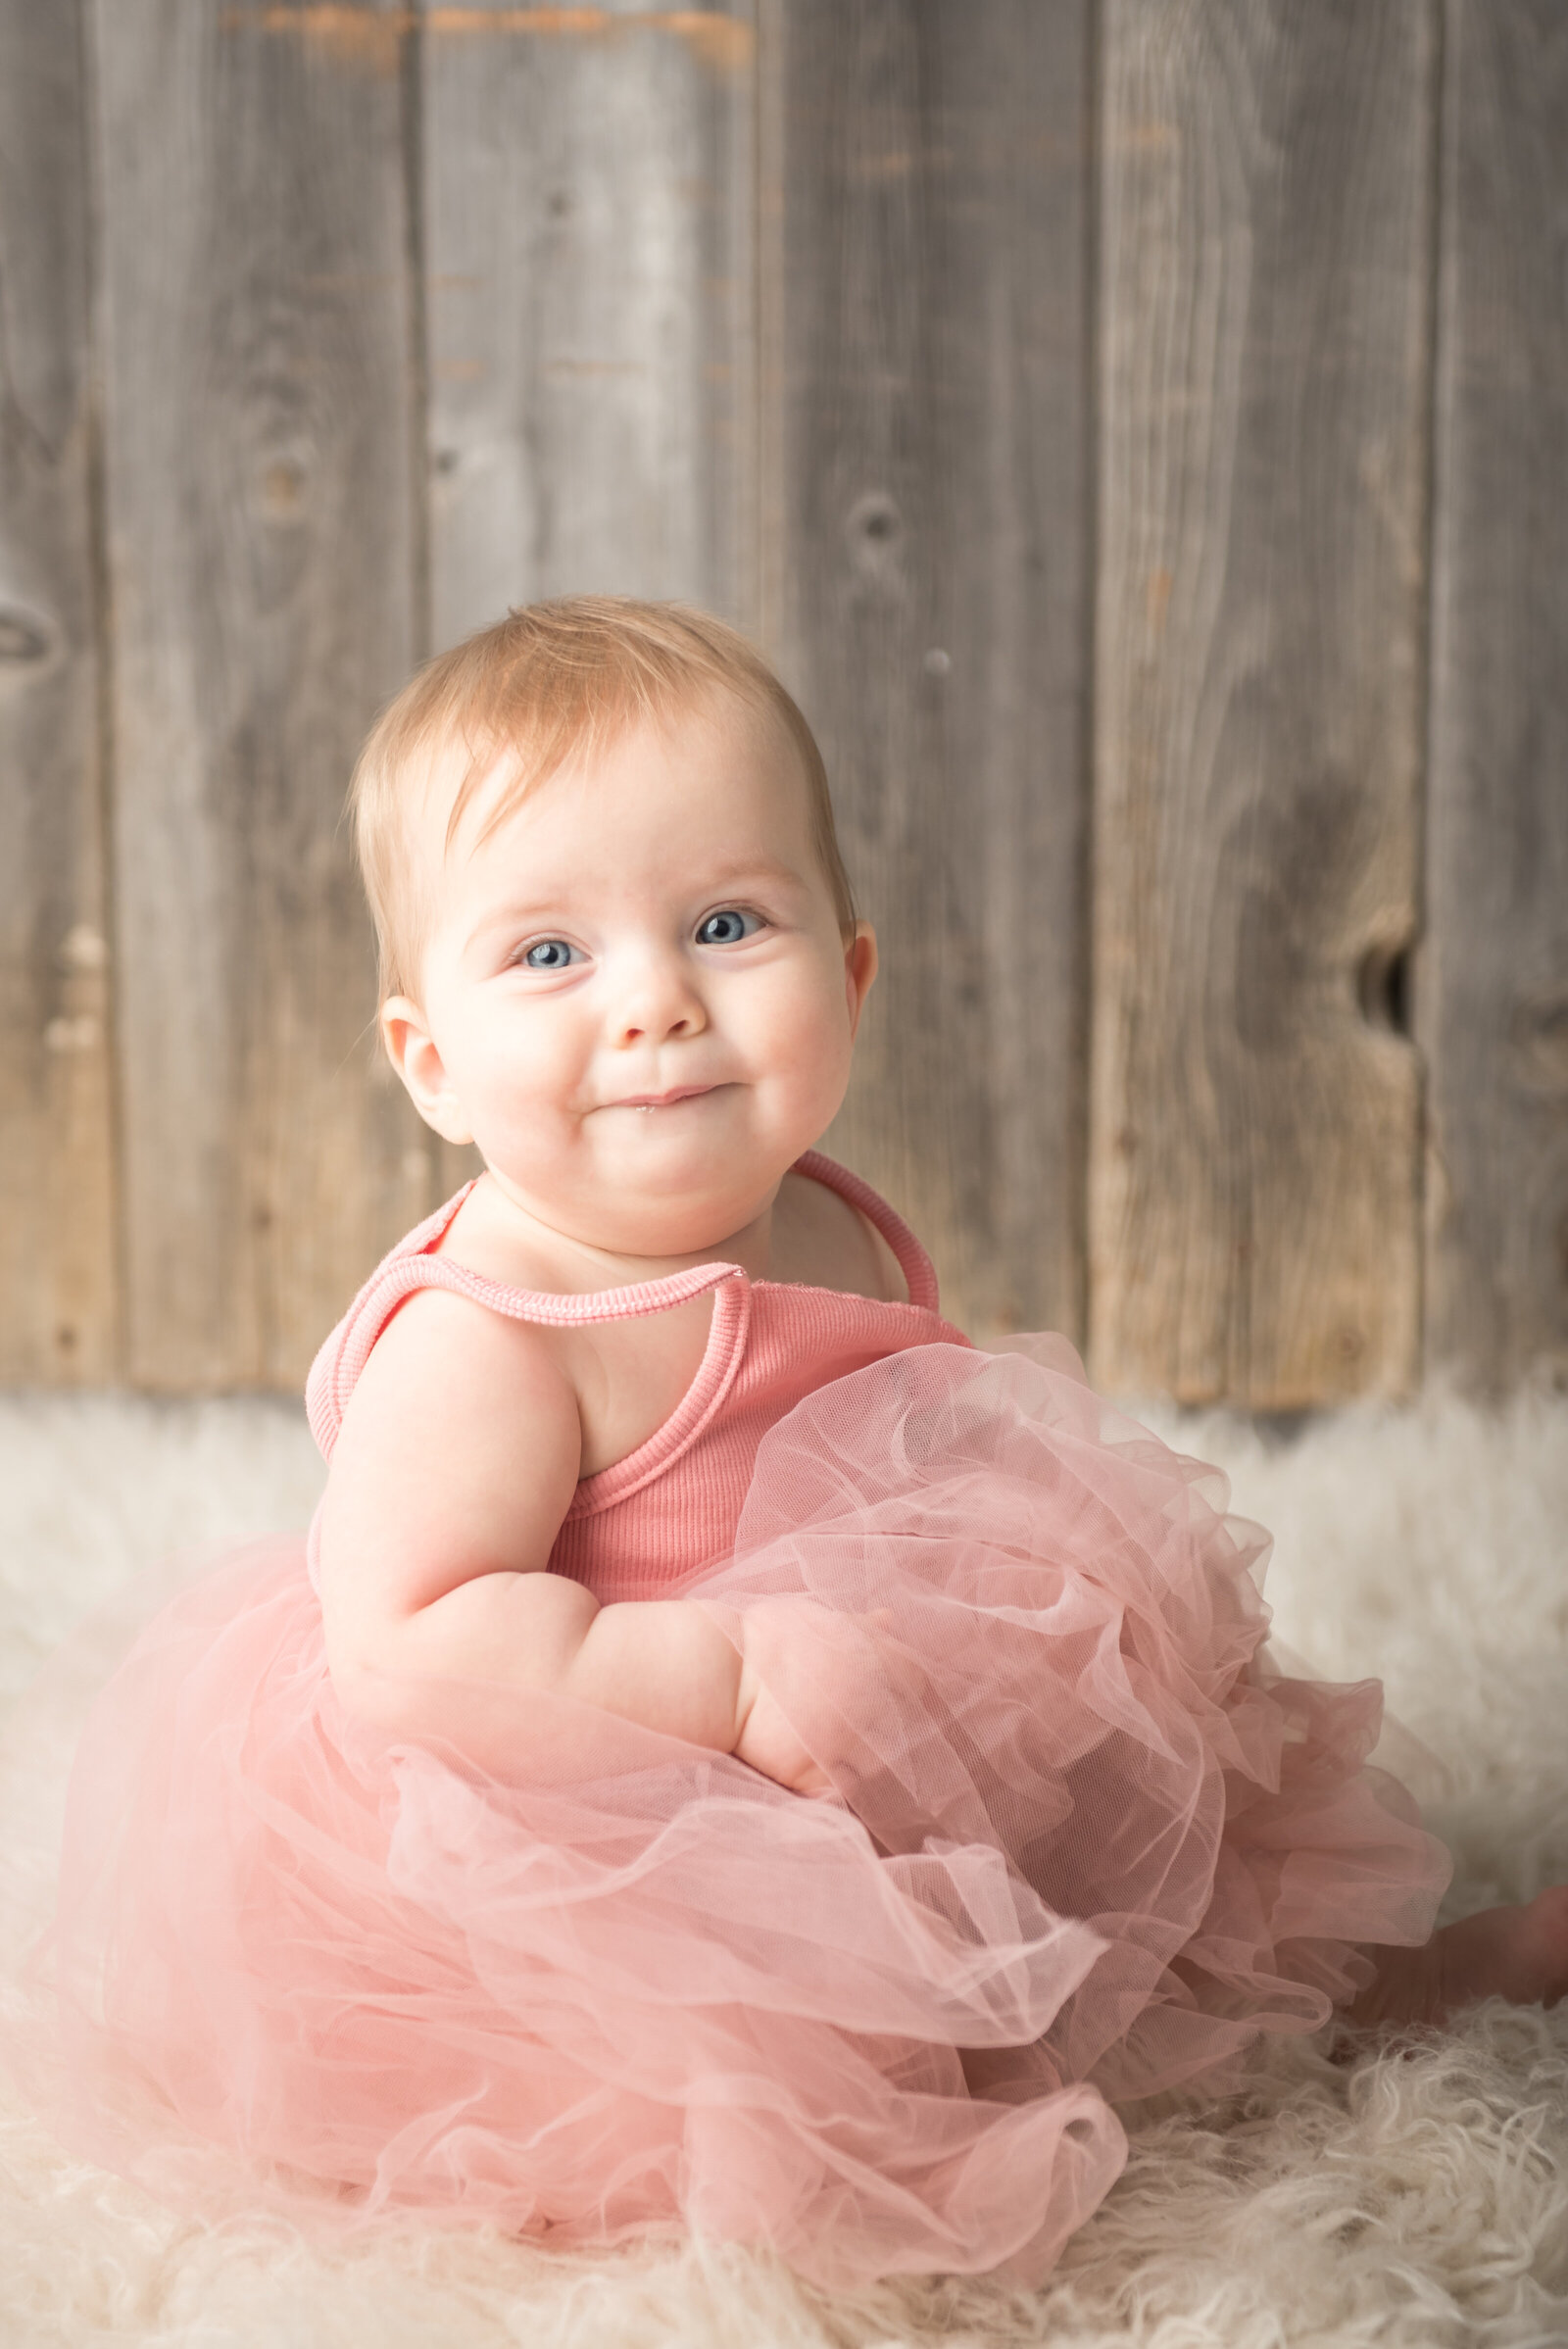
x=1493 y=992
x=588 y=245
x=1266 y=227
x=57 y=1320
x=924 y=340
x=256 y=354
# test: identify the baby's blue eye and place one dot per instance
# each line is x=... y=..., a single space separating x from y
x=548 y=953
x=727 y=928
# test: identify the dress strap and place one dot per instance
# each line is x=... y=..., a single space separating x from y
x=411 y=1266
x=920 y=1273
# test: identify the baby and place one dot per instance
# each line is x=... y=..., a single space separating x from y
x=459 y=1858
x=624 y=962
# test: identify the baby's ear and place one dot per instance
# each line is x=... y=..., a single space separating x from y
x=411 y=1049
x=859 y=969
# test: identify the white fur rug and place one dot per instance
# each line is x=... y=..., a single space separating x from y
x=1415 y=2197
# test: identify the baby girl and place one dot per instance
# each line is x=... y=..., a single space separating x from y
x=732 y=1754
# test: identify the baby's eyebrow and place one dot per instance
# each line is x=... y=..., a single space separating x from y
x=750 y=868
x=515 y=917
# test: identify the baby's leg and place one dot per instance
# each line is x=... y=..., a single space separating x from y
x=1516 y=1953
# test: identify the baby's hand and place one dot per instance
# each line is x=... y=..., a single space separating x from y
x=769 y=1745
x=799 y=1660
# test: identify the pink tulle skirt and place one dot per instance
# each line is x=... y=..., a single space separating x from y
x=540 y=1968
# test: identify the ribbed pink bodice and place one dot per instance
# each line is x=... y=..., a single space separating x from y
x=638 y=1528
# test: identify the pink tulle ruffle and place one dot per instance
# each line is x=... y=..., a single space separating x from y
x=539 y=1967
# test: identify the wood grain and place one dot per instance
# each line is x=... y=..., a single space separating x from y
x=258 y=381
x=588 y=241
x=925 y=176
x=1264 y=298
x=58 y=1294
x=1493 y=992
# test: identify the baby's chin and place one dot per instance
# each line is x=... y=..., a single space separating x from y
x=656 y=1192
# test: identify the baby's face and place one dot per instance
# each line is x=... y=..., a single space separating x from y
x=636 y=999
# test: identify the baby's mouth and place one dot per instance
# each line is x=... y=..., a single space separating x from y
x=647 y=1103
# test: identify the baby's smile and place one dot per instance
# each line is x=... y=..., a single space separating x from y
x=647 y=1103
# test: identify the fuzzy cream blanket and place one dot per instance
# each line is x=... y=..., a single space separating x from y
x=1416 y=2194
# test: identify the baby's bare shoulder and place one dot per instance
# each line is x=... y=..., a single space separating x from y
x=443 y=1352
x=458 y=1454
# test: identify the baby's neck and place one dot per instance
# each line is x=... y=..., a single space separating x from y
x=499 y=1232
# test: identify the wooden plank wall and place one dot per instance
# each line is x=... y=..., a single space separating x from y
x=588 y=257
x=257 y=342
x=1134 y=425
x=1494 y=993
x=925 y=379
x=59 y=1303
x=1265 y=274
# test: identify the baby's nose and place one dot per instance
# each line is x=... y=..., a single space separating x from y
x=659 y=1001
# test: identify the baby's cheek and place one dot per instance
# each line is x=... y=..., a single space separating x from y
x=835 y=1027
x=517 y=1089
x=813 y=1056
x=811 y=1015
x=531 y=1059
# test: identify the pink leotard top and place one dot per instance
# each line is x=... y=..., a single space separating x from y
x=644 y=1526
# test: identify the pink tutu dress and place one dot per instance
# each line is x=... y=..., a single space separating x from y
x=1084 y=1845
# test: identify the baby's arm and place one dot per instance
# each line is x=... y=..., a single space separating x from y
x=457 y=1461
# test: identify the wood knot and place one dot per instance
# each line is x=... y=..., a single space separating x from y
x=875 y=530
x=1383 y=987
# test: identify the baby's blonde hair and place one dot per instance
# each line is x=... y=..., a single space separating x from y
x=551 y=682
